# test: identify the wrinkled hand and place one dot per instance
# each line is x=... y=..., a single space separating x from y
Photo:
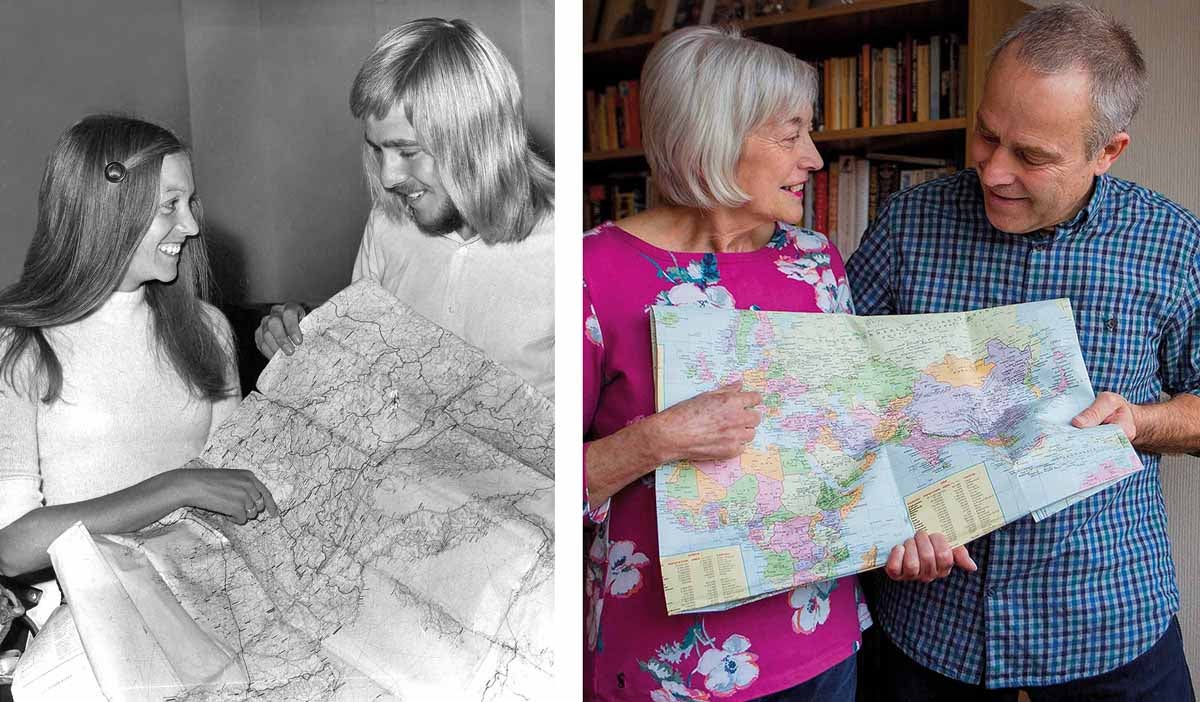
x=237 y=494
x=927 y=557
x=280 y=330
x=711 y=426
x=1109 y=408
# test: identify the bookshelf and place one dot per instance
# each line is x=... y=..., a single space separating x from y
x=821 y=35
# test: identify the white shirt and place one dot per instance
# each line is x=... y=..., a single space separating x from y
x=124 y=416
x=496 y=297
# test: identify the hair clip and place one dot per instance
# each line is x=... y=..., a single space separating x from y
x=114 y=172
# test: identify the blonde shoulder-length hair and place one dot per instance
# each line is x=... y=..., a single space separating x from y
x=462 y=97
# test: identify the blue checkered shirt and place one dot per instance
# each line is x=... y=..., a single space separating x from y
x=1092 y=587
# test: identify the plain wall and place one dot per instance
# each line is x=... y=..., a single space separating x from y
x=277 y=148
x=259 y=88
x=62 y=59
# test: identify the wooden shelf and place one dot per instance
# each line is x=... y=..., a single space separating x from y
x=865 y=133
x=841 y=138
x=799 y=15
x=612 y=155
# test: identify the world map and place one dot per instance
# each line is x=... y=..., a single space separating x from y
x=872 y=428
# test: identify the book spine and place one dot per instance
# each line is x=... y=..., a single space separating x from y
x=830 y=118
x=589 y=113
x=831 y=225
x=610 y=105
x=922 y=83
x=635 y=114
x=935 y=77
x=819 y=107
x=962 y=80
x=846 y=201
x=864 y=86
x=862 y=195
x=626 y=131
x=944 y=104
x=952 y=93
x=893 y=109
x=876 y=87
x=809 y=202
x=821 y=202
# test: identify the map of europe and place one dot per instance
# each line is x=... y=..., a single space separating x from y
x=412 y=558
x=872 y=428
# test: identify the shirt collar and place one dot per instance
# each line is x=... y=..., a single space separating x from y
x=1092 y=212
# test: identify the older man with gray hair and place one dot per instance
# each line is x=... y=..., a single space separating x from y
x=1080 y=605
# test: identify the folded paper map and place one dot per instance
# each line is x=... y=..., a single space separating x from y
x=872 y=428
x=413 y=555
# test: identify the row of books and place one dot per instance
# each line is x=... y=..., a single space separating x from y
x=612 y=118
x=884 y=85
x=839 y=201
x=842 y=200
x=605 y=20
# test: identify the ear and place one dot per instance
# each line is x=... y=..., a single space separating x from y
x=1111 y=152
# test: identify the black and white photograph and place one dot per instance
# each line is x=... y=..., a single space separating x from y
x=277 y=350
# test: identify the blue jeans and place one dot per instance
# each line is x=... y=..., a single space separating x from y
x=1160 y=674
x=834 y=685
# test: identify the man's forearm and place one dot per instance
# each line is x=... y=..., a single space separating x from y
x=1172 y=426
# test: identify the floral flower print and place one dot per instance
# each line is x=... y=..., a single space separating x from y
x=833 y=294
x=624 y=569
x=802 y=239
x=726 y=670
x=591 y=327
x=694 y=284
x=730 y=668
x=812 y=605
x=672 y=691
x=807 y=267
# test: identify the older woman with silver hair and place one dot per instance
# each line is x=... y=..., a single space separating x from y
x=726 y=124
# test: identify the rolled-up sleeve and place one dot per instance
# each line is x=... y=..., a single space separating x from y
x=20 y=474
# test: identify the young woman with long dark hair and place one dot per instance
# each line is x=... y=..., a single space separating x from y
x=113 y=368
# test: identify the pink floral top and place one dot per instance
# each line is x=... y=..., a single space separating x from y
x=633 y=650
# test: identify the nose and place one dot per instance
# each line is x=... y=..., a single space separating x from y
x=996 y=168
x=810 y=159
x=187 y=224
x=393 y=169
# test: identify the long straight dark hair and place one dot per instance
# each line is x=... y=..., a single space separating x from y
x=88 y=230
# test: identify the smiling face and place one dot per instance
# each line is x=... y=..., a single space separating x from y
x=157 y=256
x=410 y=173
x=1028 y=146
x=776 y=161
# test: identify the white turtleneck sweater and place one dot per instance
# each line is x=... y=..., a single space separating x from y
x=124 y=415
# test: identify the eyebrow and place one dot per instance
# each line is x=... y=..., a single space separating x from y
x=392 y=143
x=1036 y=151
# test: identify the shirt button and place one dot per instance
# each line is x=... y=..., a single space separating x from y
x=991 y=592
x=1039 y=248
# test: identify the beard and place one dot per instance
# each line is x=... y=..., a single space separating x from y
x=446 y=219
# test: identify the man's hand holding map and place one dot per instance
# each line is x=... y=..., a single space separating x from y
x=873 y=428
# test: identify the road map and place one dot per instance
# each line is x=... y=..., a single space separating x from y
x=412 y=558
x=873 y=428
